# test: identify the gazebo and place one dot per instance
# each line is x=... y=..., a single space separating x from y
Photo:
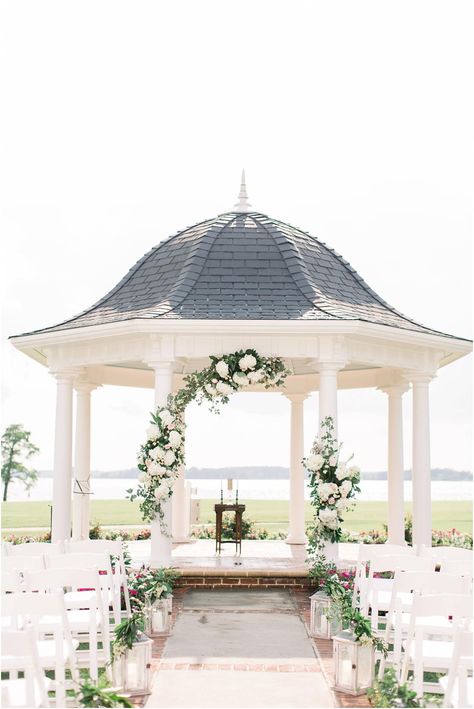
x=242 y=280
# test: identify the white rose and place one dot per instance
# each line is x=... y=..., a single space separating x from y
x=240 y=379
x=222 y=369
x=328 y=518
x=161 y=491
x=166 y=417
x=314 y=461
x=224 y=388
x=326 y=490
x=175 y=439
x=342 y=504
x=210 y=389
x=354 y=471
x=342 y=472
x=153 y=431
x=256 y=376
x=345 y=488
x=169 y=458
x=248 y=361
x=156 y=453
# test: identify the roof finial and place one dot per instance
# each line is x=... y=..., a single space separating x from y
x=243 y=205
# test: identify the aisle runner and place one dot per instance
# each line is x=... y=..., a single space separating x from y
x=250 y=649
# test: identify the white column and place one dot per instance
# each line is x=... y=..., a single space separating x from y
x=160 y=542
x=296 y=531
x=62 y=476
x=421 y=468
x=396 y=511
x=82 y=461
x=328 y=391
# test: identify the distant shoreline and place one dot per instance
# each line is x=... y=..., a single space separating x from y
x=264 y=473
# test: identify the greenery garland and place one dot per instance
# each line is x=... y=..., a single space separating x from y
x=162 y=455
x=333 y=484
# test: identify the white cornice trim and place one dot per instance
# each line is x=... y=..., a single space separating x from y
x=450 y=346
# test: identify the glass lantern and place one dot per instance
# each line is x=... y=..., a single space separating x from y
x=132 y=669
x=354 y=664
x=322 y=626
x=158 y=617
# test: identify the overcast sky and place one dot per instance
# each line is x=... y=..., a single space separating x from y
x=124 y=122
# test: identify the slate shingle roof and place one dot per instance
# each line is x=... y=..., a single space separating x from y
x=241 y=267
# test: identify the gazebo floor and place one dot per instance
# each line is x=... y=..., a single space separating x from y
x=261 y=563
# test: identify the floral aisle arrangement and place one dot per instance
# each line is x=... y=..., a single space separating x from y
x=147 y=585
x=339 y=586
x=162 y=455
x=333 y=484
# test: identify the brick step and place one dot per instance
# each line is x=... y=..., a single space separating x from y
x=208 y=581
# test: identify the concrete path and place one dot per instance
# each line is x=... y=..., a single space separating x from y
x=239 y=649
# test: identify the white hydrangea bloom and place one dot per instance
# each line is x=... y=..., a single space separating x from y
x=345 y=488
x=210 y=389
x=314 y=461
x=240 y=379
x=222 y=369
x=156 y=469
x=153 y=431
x=224 y=388
x=248 y=361
x=342 y=504
x=175 y=439
x=169 y=457
x=325 y=490
x=156 y=453
x=256 y=376
x=328 y=518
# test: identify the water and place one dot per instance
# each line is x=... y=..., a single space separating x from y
x=114 y=489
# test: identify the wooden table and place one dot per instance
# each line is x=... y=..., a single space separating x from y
x=219 y=510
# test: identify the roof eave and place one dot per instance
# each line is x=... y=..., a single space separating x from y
x=33 y=345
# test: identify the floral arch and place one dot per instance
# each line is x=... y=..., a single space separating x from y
x=162 y=455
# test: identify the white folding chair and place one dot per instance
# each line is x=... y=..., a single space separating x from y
x=459 y=567
x=100 y=561
x=20 y=654
x=114 y=547
x=88 y=620
x=457 y=685
x=379 y=590
x=429 y=645
x=405 y=585
x=46 y=614
x=447 y=553
x=22 y=563
x=36 y=549
x=366 y=553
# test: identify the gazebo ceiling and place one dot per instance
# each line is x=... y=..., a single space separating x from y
x=241 y=265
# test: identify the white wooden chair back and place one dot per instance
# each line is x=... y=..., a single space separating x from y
x=366 y=553
x=392 y=563
x=23 y=563
x=114 y=547
x=20 y=654
x=457 y=686
x=36 y=549
x=447 y=553
x=459 y=567
x=100 y=561
x=11 y=582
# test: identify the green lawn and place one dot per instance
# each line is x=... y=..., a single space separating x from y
x=270 y=514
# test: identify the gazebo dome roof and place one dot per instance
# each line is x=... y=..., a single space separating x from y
x=241 y=265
